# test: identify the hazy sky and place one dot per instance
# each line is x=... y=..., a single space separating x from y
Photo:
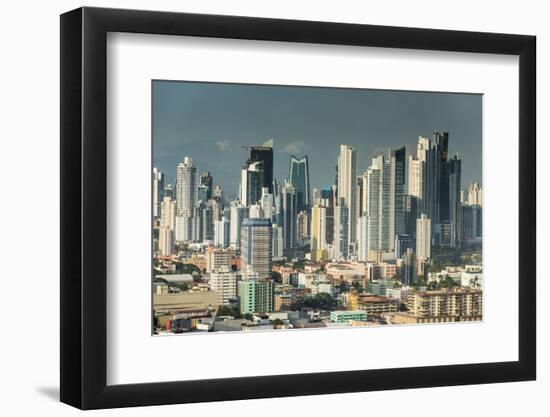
x=210 y=122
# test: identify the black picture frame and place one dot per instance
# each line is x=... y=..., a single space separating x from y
x=84 y=207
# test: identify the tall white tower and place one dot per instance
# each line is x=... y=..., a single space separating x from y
x=158 y=191
x=347 y=187
x=423 y=237
x=187 y=186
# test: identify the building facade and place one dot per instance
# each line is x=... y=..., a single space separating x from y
x=256 y=246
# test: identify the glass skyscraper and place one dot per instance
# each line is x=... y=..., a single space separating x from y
x=299 y=179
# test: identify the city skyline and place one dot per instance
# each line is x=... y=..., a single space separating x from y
x=215 y=121
x=391 y=239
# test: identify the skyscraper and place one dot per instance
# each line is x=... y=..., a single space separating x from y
x=408 y=267
x=252 y=177
x=327 y=196
x=362 y=239
x=206 y=183
x=347 y=190
x=474 y=195
x=277 y=245
x=397 y=192
x=302 y=228
x=414 y=187
x=266 y=203
x=256 y=250
x=402 y=243
x=410 y=207
x=435 y=176
x=441 y=141
x=341 y=229
x=299 y=179
x=166 y=241
x=427 y=155
x=372 y=202
x=318 y=233
x=221 y=232
x=472 y=225
x=264 y=155
x=186 y=187
x=206 y=223
x=158 y=191
x=186 y=201
x=169 y=191
x=238 y=214
x=423 y=237
x=289 y=216
x=168 y=213
x=455 y=212
x=383 y=200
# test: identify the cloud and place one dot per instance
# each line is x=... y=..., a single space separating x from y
x=297 y=147
x=225 y=145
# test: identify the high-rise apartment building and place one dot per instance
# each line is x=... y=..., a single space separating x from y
x=168 y=213
x=474 y=195
x=266 y=204
x=224 y=282
x=186 y=187
x=414 y=186
x=166 y=241
x=256 y=295
x=158 y=191
x=362 y=239
x=222 y=232
x=277 y=245
x=318 y=232
x=462 y=304
x=383 y=201
x=238 y=214
x=187 y=223
x=347 y=187
x=341 y=229
x=423 y=237
x=302 y=228
x=256 y=250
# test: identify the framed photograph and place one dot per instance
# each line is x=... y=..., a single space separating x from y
x=258 y=208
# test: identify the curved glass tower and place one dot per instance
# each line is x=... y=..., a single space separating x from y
x=299 y=179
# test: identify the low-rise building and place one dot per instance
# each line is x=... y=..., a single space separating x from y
x=380 y=287
x=372 y=304
x=460 y=303
x=256 y=295
x=282 y=302
x=345 y=316
x=174 y=303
